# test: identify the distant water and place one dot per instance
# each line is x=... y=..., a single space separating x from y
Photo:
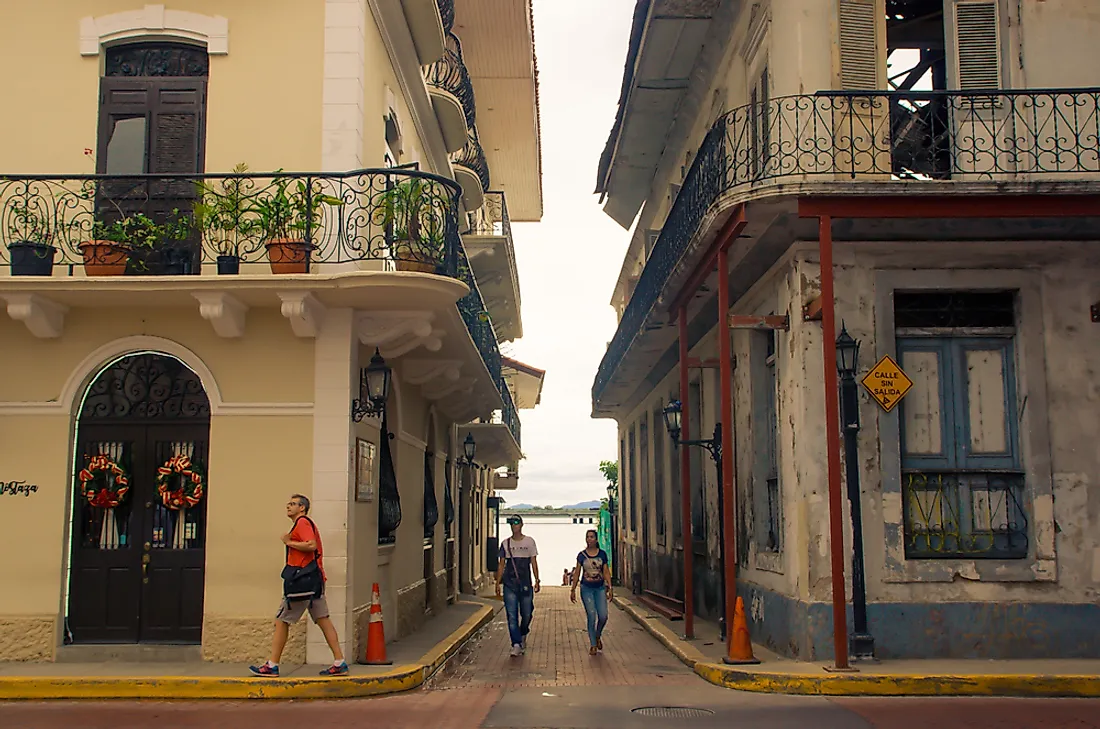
x=558 y=540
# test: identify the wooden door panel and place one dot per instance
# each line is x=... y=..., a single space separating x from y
x=105 y=592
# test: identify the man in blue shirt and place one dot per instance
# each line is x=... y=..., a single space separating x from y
x=517 y=561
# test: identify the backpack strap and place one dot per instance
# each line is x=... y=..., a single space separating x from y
x=316 y=534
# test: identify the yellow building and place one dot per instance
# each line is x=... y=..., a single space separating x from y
x=188 y=346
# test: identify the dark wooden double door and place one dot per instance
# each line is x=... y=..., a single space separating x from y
x=138 y=569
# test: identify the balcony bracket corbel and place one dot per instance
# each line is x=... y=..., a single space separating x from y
x=44 y=319
x=224 y=311
x=305 y=312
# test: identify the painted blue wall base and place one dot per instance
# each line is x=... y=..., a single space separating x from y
x=927 y=630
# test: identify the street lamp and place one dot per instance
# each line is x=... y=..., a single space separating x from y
x=374 y=389
x=861 y=644
x=469 y=450
x=673 y=414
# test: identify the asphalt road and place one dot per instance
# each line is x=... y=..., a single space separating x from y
x=634 y=684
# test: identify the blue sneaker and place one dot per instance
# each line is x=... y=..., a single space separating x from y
x=265 y=670
x=341 y=670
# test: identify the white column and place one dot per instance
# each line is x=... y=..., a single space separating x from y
x=343 y=92
x=335 y=379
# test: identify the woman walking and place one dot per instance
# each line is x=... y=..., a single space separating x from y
x=595 y=581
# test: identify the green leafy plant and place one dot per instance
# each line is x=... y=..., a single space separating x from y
x=412 y=213
x=292 y=209
x=27 y=224
x=610 y=471
x=226 y=213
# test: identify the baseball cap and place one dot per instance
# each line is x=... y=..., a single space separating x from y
x=515 y=519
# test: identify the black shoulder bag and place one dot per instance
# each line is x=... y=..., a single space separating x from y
x=304 y=583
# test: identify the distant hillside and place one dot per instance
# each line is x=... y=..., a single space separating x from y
x=583 y=505
x=521 y=506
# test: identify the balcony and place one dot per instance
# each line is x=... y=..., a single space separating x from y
x=472 y=171
x=492 y=253
x=241 y=240
x=428 y=26
x=921 y=142
x=452 y=95
x=498 y=438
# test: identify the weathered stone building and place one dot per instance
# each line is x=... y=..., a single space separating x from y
x=941 y=156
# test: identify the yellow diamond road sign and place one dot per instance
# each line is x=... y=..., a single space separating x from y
x=887 y=383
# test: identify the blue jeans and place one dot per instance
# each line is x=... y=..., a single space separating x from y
x=595 y=605
x=519 y=605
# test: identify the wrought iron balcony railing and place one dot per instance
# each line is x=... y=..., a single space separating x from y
x=449 y=74
x=447 y=14
x=917 y=137
x=472 y=156
x=478 y=321
x=509 y=415
x=173 y=224
x=492 y=219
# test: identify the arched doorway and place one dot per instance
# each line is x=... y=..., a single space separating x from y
x=138 y=551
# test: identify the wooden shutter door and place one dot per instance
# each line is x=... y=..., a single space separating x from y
x=976 y=48
x=982 y=142
x=861 y=30
x=861 y=124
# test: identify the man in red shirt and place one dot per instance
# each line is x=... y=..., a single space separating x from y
x=304 y=546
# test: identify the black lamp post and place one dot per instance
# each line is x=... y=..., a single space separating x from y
x=469 y=450
x=861 y=644
x=673 y=414
x=374 y=388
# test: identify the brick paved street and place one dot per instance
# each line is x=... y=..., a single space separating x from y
x=557 y=685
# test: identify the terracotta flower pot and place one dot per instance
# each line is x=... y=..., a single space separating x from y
x=288 y=256
x=104 y=258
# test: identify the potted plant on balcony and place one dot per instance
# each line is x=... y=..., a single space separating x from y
x=30 y=249
x=413 y=213
x=108 y=250
x=157 y=249
x=227 y=218
x=290 y=217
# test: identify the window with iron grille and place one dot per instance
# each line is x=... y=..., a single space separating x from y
x=659 y=472
x=962 y=476
x=768 y=526
x=632 y=480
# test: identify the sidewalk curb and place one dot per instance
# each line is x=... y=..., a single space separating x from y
x=743 y=678
x=399 y=678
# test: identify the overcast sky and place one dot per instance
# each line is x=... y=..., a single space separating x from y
x=569 y=262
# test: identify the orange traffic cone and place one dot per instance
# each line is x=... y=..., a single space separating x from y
x=375 y=654
x=740 y=646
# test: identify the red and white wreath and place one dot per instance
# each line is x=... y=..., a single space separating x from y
x=179 y=483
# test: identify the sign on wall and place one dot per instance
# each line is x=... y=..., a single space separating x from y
x=887 y=383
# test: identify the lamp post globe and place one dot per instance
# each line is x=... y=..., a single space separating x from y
x=376 y=378
x=847 y=353
x=672 y=414
x=469 y=448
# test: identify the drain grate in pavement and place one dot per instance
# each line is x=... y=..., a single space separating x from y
x=671 y=712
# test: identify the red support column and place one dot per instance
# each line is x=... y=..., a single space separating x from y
x=725 y=374
x=685 y=475
x=832 y=440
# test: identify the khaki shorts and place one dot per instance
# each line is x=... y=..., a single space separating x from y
x=292 y=612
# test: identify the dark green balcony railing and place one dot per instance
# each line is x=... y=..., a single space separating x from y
x=447 y=14
x=917 y=137
x=449 y=74
x=472 y=157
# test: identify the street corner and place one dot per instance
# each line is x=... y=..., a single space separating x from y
x=394 y=680
x=688 y=654
x=887 y=684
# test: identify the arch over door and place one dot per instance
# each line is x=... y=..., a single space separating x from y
x=138 y=555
